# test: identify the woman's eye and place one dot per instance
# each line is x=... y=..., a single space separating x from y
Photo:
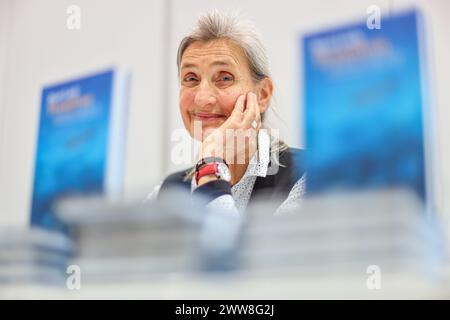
x=190 y=79
x=226 y=77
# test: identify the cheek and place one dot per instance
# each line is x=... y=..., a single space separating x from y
x=186 y=101
x=228 y=100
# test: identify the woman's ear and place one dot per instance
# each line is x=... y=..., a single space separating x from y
x=264 y=93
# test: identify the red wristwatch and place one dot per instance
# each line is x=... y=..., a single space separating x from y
x=220 y=170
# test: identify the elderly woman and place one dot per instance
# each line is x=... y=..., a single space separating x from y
x=225 y=92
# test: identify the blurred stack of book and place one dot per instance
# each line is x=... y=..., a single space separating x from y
x=328 y=235
x=135 y=241
x=344 y=232
x=33 y=256
x=333 y=234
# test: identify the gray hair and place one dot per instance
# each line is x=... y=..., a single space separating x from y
x=215 y=26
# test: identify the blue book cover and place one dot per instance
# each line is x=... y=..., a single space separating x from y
x=364 y=106
x=81 y=142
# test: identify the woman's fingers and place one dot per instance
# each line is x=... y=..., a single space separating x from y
x=252 y=112
x=239 y=107
x=257 y=112
x=245 y=113
x=237 y=114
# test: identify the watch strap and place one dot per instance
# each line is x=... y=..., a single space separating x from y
x=207 y=160
x=207 y=169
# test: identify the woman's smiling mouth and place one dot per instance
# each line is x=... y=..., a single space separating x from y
x=204 y=116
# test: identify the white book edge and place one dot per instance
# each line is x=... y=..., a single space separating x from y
x=118 y=124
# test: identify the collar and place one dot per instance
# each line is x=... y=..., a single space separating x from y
x=259 y=163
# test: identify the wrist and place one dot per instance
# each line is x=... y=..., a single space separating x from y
x=206 y=179
x=213 y=168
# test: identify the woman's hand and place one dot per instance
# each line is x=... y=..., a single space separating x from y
x=236 y=139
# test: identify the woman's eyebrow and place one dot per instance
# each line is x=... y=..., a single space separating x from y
x=213 y=64
x=188 y=65
x=220 y=63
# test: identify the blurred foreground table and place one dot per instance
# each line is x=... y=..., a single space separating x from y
x=242 y=286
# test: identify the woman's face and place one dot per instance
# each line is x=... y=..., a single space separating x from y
x=213 y=75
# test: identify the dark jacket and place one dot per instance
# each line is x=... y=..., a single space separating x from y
x=273 y=187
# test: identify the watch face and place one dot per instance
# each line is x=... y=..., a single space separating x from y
x=224 y=172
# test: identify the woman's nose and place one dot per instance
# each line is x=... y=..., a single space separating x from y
x=205 y=95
